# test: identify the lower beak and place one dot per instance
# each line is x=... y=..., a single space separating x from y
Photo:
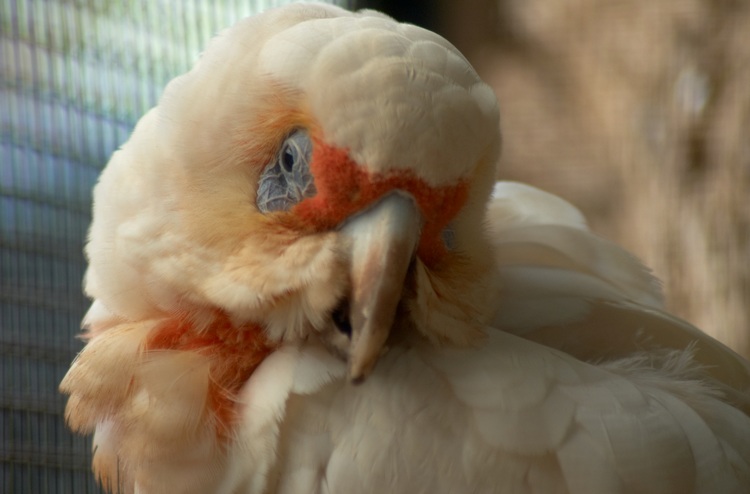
x=384 y=239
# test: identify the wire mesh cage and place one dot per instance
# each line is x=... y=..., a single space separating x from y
x=76 y=76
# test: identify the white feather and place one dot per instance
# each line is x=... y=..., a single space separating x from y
x=483 y=419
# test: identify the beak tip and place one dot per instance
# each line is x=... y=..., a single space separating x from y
x=358 y=373
x=357 y=380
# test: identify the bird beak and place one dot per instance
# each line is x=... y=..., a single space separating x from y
x=384 y=239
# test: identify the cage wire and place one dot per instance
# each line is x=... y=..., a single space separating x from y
x=76 y=76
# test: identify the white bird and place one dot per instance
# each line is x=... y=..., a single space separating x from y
x=303 y=282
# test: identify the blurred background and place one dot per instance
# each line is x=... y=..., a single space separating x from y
x=636 y=111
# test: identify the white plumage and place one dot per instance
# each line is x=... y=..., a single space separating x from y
x=501 y=347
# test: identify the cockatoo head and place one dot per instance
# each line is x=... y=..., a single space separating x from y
x=320 y=174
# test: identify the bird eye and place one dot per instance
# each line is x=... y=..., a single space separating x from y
x=449 y=238
x=287 y=180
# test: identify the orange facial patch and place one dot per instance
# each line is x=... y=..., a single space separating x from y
x=234 y=353
x=344 y=188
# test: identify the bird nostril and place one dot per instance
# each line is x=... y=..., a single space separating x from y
x=340 y=317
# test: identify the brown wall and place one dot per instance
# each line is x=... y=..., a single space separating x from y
x=637 y=111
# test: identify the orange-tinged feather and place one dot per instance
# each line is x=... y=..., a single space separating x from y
x=345 y=188
x=170 y=392
x=233 y=352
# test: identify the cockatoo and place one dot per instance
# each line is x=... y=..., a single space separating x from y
x=306 y=280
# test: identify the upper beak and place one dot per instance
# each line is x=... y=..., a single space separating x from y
x=384 y=239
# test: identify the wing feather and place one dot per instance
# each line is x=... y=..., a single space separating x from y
x=564 y=287
x=530 y=227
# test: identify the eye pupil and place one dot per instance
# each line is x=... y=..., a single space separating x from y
x=288 y=160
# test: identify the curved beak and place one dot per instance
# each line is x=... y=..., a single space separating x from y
x=384 y=239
